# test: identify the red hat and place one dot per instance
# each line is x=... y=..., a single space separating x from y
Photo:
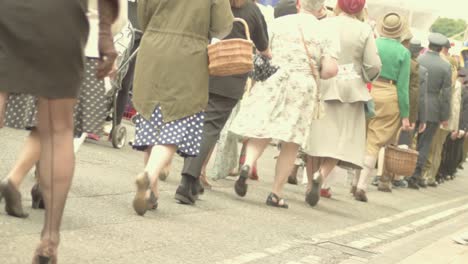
x=352 y=6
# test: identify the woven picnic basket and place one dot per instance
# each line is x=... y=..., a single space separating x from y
x=400 y=161
x=231 y=56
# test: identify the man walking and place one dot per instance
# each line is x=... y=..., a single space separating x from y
x=438 y=102
x=431 y=169
x=225 y=93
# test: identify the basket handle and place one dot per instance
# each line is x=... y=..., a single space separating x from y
x=397 y=138
x=246 y=27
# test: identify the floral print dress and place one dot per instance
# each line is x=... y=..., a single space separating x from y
x=283 y=106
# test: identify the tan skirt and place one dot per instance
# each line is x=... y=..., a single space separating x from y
x=341 y=134
x=383 y=127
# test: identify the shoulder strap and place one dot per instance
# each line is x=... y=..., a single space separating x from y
x=312 y=63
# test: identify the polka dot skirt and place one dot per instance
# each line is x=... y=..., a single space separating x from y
x=90 y=113
x=185 y=133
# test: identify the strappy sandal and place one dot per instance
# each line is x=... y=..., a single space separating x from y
x=275 y=201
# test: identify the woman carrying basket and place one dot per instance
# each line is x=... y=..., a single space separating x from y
x=171 y=100
x=225 y=93
x=391 y=95
x=284 y=106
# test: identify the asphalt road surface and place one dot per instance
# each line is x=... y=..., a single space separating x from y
x=100 y=225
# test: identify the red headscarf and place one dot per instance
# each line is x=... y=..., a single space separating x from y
x=351 y=6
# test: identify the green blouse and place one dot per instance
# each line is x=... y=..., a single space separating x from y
x=396 y=65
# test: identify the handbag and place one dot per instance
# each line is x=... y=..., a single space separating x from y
x=263 y=69
x=319 y=109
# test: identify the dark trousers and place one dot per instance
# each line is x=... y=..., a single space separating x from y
x=216 y=115
x=452 y=156
x=127 y=83
x=424 y=146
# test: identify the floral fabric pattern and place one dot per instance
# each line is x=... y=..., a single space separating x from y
x=283 y=106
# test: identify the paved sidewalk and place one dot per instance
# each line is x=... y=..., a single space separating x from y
x=442 y=251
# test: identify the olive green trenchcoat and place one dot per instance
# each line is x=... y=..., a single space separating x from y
x=172 y=63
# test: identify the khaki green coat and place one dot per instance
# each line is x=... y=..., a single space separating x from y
x=414 y=91
x=172 y=63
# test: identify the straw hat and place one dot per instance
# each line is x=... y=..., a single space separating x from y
x=392 y=26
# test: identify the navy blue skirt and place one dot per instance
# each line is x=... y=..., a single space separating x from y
x=185 y=133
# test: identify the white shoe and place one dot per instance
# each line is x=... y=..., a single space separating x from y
x=77 y=142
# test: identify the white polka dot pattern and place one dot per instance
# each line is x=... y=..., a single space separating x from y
x=185 y=133
x=90 y=113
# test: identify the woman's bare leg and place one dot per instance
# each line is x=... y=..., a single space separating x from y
x=284 y=166
x=254 y=149
x=147 y=182
x=160 y=157
x=328 y=164
x=56 y=168
x=27 y=159
x=325 y=165
x=312 y=166
x=3 y=103
x=203 y=177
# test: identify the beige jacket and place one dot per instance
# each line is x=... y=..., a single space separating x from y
x=454 y=119
x=359 y=62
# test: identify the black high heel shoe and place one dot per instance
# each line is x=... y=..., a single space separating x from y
x=37 y=200
x=46 y=253
x=12 y=196
x=44 y=260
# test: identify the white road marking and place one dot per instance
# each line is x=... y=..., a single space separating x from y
x=368 y=241
x=283 y=247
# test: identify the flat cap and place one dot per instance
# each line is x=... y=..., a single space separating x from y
x=438 y=39
x=448 y=44
x=415 y=46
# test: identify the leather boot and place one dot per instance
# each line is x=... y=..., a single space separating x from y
x=184 y=193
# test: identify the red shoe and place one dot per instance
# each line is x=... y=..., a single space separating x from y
x=94 y=137
x=326 y=193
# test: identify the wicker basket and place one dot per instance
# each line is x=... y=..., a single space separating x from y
x=231 y=56
x=400 y=161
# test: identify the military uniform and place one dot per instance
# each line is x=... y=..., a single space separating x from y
x=442 y=135
x=438 y=101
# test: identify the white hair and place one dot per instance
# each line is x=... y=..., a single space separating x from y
x=312 y=5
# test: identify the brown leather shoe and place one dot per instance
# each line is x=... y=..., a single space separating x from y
x=361 y=195
x=13 y=206
x=353 y=190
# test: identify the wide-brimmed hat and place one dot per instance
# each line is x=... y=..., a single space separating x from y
x=393 y=26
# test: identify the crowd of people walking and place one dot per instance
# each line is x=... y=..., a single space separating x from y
x=330 y=87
